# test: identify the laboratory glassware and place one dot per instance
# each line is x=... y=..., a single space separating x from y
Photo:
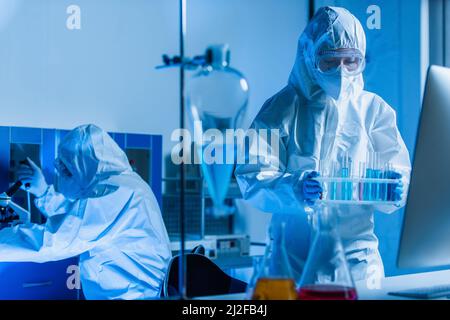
x=371 y=183
x=257 y=264
x=217 y=97
x=275 y=279
x=346 y=172
x=326 y=275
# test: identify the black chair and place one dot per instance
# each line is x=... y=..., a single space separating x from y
x=203 y=277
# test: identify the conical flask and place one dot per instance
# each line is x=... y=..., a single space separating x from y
x=275 y=280
x=217 y=97
x=257 y=265
x=326 y=275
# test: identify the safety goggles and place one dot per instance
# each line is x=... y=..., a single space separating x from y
x=61 y=168
x=350 y=61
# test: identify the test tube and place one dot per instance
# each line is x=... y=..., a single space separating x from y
x=376 y=174
x=346 y=172
x=384 y=186
x=333 y=185
x=368 y=174
x=350 y=175
x=362 y=173
x=390 y=186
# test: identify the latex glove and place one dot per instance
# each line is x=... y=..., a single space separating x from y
x=311 y=189
x=395 y=191
x=32 y=178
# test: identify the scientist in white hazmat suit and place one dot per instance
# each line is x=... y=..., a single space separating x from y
x=102 y=211
x=324 y=114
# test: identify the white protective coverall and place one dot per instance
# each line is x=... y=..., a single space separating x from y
x=112 y=220
x=316 y=124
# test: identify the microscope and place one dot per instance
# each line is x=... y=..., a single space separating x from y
x=11 y=213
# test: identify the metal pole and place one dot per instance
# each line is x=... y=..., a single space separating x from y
x=182 y=260
x=311 y=9
x=444 y=32
x=202 y=201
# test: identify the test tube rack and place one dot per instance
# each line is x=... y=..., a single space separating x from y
x=356 y=190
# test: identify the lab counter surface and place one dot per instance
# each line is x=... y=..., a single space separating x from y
x=390 y=284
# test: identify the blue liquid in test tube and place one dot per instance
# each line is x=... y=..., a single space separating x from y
x=383 y=186
x=376 y=173
x=368 y=186
x=347 y=187
x=344 y=174
x=333 y=185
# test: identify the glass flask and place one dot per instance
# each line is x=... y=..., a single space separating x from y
x=217 y=96
x=326 y=275
x=274 y=279
x=257 y=264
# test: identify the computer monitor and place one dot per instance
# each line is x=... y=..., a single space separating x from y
x=425 y=239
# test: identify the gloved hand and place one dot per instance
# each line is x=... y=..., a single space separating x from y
x=311 y=189
x=395 y=190
x=32 y=178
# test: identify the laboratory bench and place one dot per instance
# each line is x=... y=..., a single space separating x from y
x=387 y=285
x=39 y=281
x=403 y=282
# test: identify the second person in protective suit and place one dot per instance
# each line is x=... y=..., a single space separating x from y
x=102 y=211
x=323 y=115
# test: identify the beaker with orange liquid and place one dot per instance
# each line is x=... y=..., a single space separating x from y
x=274 y=279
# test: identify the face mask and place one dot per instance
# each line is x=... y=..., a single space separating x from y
x=336 y=86
x=68 y=187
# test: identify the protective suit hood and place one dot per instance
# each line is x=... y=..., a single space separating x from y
x=331 y=28
x=91 y=156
